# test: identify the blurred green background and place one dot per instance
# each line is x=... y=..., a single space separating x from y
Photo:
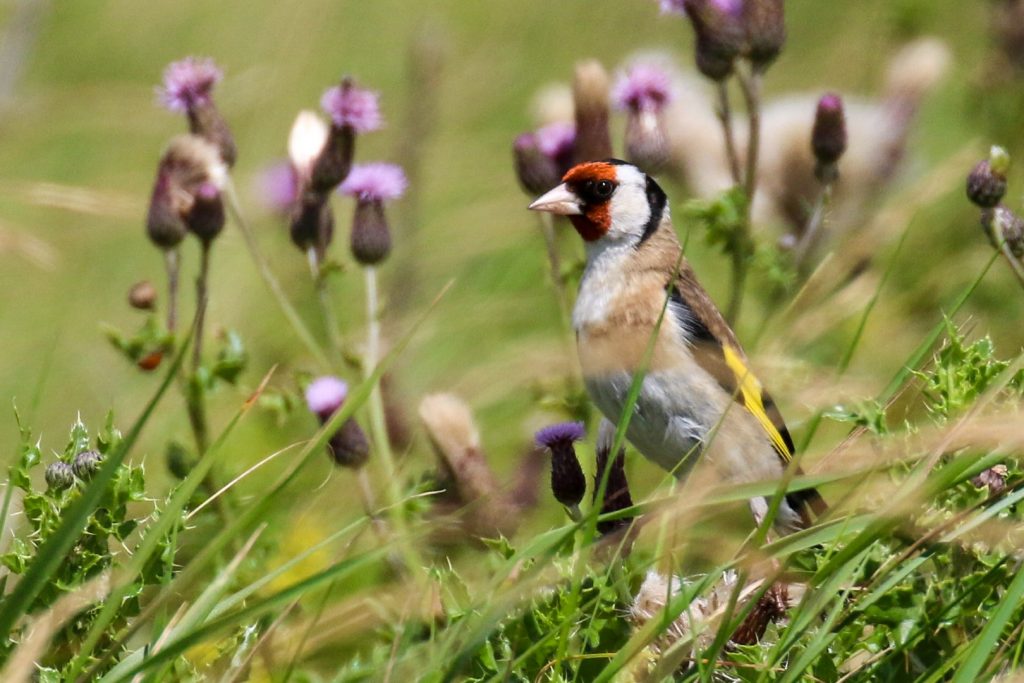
x=82 y=133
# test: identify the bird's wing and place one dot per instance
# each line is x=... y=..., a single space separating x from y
x=716 y=349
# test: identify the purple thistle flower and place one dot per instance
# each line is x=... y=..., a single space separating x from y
x=561 y=433
x=278 y=187
x=643 y=87
x=376 y=182
x=568 y=484
x=188 y=83
x=351 y=106
x=325 y=394
x=556 y=139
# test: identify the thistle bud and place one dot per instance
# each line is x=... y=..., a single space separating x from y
x=372 y=185
x=306 y=143
x=59 y=476
x=590 y=94
x=206 y=218
x=567 y=481
x=643 y=91
x=721 y=35
x=1001 y=224
x=188 y=87
x=616 y=492
x=766 y=31
x=179 y=461
x=994 y=478
x=986 y=183
x=537 y=173
x=312 y=223
x=86 y=463
x=348 y=447
x=142 y=296
x=828 y=136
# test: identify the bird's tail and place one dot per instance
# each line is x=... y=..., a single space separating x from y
x=804 y=503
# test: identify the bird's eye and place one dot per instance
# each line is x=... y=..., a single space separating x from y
x=604 y=188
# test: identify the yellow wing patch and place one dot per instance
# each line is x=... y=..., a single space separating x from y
x=750 y=390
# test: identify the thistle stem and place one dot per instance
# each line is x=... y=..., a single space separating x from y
x=724 y=112
x=378 y=426
x=270 y=279
x=750 y=84
x=173 y=265
x=1015 y=265
x=202 y=295
x=809 y=239
x=326 y=309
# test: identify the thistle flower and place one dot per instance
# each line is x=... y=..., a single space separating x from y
x=590 y=90
x=828 y=136
x=567 y=481
x=142 y=296
x=534 y=169
x=766 y=31
x=616 y=492
x=644 y=90
x=186 y=194
x=353 y=107
x=372 y=185
x=86 y=463
x=557 y=141
x=187 y=88
x=188 y=83
x=59 y=476
x=352 y=110
x=348 y=447
x=643 y=87
x=278 y=187
x=986 y=183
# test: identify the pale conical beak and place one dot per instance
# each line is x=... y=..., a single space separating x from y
x=561 y=201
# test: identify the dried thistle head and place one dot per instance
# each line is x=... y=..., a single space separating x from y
x=590 y=88
x=186 y=193
x=643 y=90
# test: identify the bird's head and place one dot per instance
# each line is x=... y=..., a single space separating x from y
x=607 y=200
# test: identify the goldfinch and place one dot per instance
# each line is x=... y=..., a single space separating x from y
x=698 y=397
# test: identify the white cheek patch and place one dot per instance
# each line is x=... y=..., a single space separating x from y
x=630 y=209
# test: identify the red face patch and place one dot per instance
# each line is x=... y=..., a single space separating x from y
x=593 y=182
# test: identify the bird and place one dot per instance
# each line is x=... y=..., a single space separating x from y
x=699 y=399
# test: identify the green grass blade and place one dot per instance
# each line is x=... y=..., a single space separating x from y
x=979 y=650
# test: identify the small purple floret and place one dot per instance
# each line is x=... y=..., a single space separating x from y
x=375 y=182
x=561 y=433
x=188 y=83
x=279 y=187
x=556 y=139
x=673 y=6
x=325 y=394
x=348 y=105
x=643 y=87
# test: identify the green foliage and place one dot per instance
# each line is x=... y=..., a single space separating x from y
x=723 y=221
x=109 y=530
x=962 y=372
